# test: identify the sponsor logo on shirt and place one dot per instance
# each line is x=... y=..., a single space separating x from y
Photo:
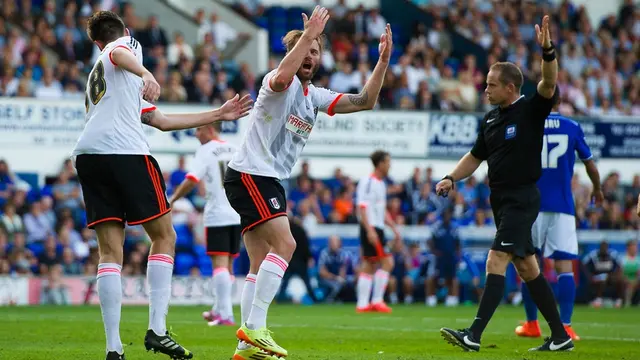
x=298 y=126
x=510 y=132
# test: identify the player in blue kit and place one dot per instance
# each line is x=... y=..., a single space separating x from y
x=554 y=231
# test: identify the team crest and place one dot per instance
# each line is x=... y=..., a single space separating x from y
x=274 y=203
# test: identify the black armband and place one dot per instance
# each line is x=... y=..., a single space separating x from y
x=549 y=57
x=453 y=183
x=549 y=53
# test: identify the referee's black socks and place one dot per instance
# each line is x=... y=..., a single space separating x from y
x=542 y=295
x=491 y=298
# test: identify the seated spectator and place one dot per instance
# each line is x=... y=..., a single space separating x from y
x=70 y=266
x=332 y=268
x=37 y=225
x=67 y=195
x=10 y=221
x=602 y=269
x=403 y=271
x=50 y=255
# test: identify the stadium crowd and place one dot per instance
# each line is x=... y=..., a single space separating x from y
x=599 y=62
x=42 y=229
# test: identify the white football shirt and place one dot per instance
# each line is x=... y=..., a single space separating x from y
x=113 y=104
x=371 y=196
x=210 y=164
x=281 y=123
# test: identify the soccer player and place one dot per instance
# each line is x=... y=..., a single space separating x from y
x=555 y=228
x=281 y=122
x=510 y=139
x=371 y=199
x=222 y=223
x=121 y=181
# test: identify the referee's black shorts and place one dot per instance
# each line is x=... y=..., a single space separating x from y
x=515 y=210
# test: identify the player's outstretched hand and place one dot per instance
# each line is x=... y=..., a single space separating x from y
x=443 y=187
x=544 y=38
x=236 y=108
x=314 y=26
x=386 y=45
x=150 y=88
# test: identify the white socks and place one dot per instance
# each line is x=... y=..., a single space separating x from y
x=159 y=272
x=248 y=293
x=267 y=285
x=222 y=286
x=365 y=282
x=381 y=279
x=110 y=294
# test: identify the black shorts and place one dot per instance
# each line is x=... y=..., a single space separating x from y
x=515 y=211
x=255 y=198
x=124 y=188
x=223 y=240
x=371 y=252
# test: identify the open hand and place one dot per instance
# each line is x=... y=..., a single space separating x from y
x=544 y=38
x=314 y=26
x=236 y=108
x=386 y=45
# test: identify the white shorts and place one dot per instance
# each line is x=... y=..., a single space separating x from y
x=555 y=235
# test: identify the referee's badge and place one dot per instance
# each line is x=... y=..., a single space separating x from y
x=274 y=203
x=510 y=133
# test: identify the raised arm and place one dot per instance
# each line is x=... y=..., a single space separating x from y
x=289 y=66
x=547 y=86
x=368 y=97
x=231 y=110
x=126 y=60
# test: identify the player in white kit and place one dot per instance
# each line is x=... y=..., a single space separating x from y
x=371 y=199
x=121 y=181
x=281 y=122
x=222 y=223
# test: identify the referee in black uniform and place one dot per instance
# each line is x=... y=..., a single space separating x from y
x=510 y=140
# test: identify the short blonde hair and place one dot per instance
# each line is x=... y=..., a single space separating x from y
x=291 y=39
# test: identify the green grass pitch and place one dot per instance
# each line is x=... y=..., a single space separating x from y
x=318 y=332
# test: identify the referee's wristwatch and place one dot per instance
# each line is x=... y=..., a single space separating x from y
x=453 y=183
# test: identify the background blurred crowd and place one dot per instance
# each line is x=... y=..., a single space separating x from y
x=600 y=62
x=42 y=229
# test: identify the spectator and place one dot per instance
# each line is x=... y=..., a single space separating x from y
x=603 y=271
x=10 y=222
x=50 y=88
x=332 y=268
x=69 y=264
x=37 y=224
x=50 y=255
x=179 y=50
x=152 y=35
x=223 y=34
x=301 y=261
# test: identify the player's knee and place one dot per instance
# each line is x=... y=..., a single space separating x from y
x=220 y=261
x=111 y=251
x=285 y=247
x=387 y=263
x=563 y=266
x=497 y=262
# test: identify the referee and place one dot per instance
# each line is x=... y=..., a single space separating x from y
x=510 y=140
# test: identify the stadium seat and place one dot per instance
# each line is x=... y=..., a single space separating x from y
x=183 y=263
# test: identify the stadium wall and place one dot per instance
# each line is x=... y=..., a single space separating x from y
x=36 y=136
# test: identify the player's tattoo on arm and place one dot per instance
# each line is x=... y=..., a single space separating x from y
x=359 y=99
x=146 y=117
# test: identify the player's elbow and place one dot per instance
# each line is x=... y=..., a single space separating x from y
x=279 y=82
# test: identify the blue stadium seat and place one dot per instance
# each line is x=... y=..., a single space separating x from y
x=205 y=265
x=263 y=22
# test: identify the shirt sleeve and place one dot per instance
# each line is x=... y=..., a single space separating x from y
x=479 y=149
x=325 y=100
x=584 y=153
x=268 y=90
x=147 y=106
x=541 y=106
x=322 y=259
x=363 y=193
x=198 y=168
